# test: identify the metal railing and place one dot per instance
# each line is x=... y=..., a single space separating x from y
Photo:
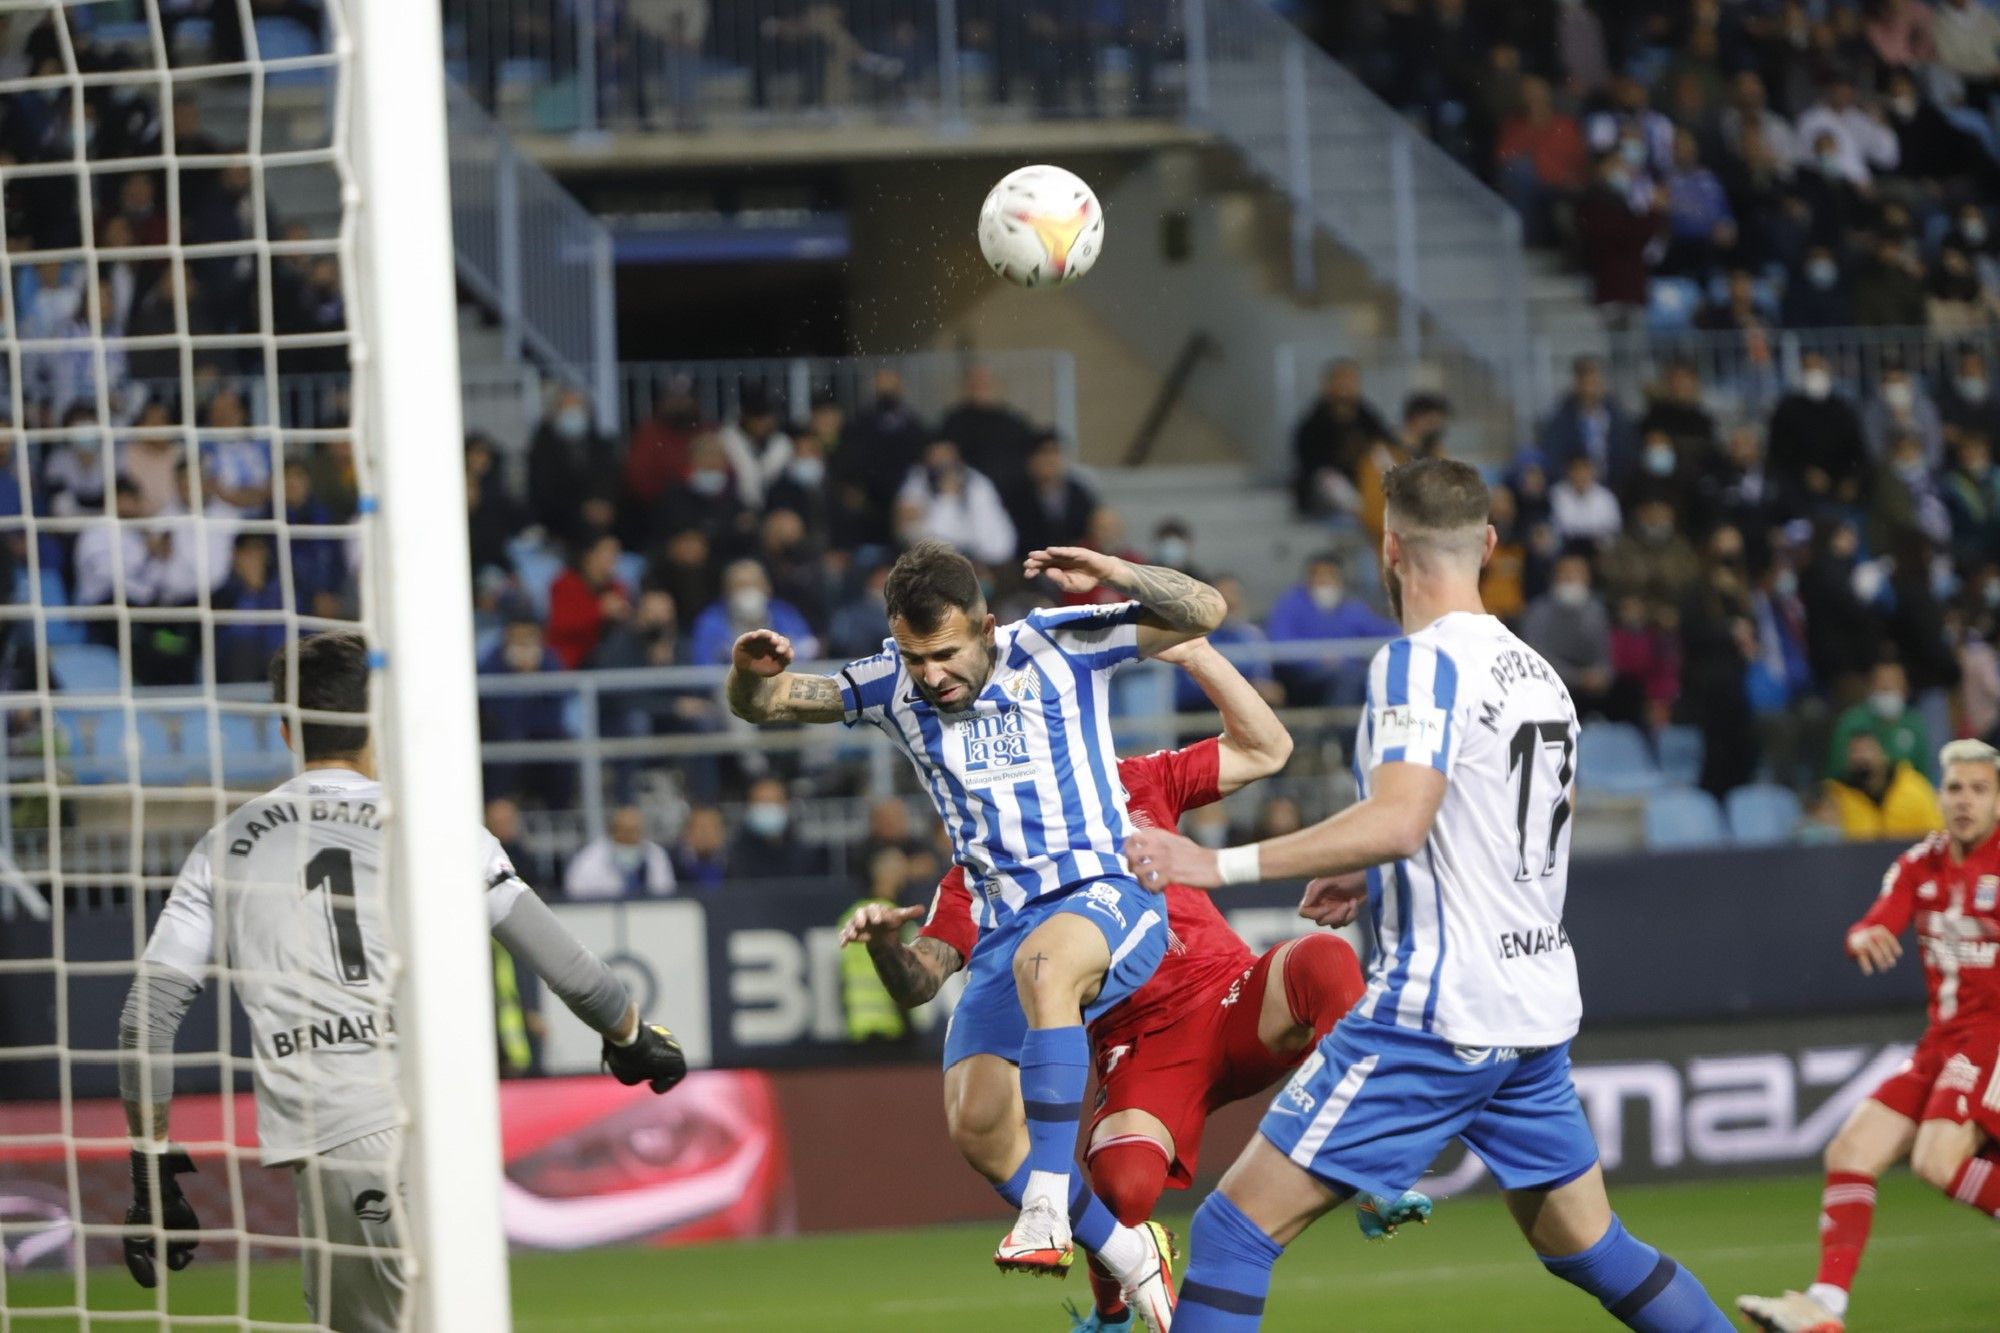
x=581 y=66
x=533 y=254
x=1039 y=384
x=1742 y=375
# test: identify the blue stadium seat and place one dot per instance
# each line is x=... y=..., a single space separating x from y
x=1613 y=757
x=1762 y=814
x=173 y=747
x=1682 y=750
x=632 y=571
x=96 y=743
x=284 y=39
x=53 y=599
x=1680 y=817
x=87 y=668
x=253 y=753
x=1671 y=304
x=538 y=569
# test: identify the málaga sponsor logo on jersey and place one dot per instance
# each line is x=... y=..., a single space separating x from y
x=1534 y=941
x=996 y=747
x=363 y=1029
x=1408 y=727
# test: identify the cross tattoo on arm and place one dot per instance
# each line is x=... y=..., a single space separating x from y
x=1038 y=960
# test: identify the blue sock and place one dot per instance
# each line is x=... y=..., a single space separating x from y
x=1090 y=1222
x=1229 y=1273
x=1642 y=1288
x=1010 y=1189
x=1055 y=1067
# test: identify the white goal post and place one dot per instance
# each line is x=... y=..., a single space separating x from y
x=407 y=407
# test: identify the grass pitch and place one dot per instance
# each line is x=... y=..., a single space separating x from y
x=1932 y=1266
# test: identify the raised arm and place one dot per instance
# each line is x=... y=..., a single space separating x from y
x=1255 y=743
x=911 y=973
x=761 y=690
x=1178 y=607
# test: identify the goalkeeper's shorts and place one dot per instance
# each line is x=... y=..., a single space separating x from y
x=351 y=1197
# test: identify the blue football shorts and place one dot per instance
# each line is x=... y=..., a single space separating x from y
x=1375 y=1104
x=989 y=1019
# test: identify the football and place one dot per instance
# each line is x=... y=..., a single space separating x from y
x=1041 y=226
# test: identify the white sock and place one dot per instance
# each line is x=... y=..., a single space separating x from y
x=1048 y=1187
x=1125 y=1254
x=1832 y=1297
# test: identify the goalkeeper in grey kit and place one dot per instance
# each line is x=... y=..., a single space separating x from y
x=284 y=899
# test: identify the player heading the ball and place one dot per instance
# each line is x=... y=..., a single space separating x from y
x=1009 y=730
x=284 y=901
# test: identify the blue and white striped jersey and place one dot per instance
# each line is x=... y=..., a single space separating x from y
x=1470 y=943
x=1026 y=779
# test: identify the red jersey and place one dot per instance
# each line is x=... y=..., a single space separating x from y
x=1160 y=788
x=1956 y=909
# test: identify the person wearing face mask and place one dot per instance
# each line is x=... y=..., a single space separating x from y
x=747 y=604
x=766 y=846
x=1815 y=296
x=802 y=489
x=1816 y=446
x=1901 y=408
x=1236 y=629
x=1053 y=506
x=1615 y=234
x=947 y=500
x=796 y=564
x=1318 y=607
x=568 y=462
x=1862 y=143
x=1590 y=421
x=1582 y=509
x=1972 y=497
x=1570 y=627
x=1877 y=797
x=1906 y=497
x=1676 y=411
x=1887 y=718
x=1652 y=559
x=1832 y=203
x=878 y=446
x=706 y=501
x=524 y=717
x=757 y=447
x=1967 y=402
x=623 y=863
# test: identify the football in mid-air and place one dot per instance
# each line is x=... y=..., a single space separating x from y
x=1041 y=226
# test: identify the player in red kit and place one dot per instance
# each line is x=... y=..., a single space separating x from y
x=1942 y=1108
x=1215 y=1023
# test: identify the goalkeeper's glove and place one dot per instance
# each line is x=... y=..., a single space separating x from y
x=654 y=1057
x=176 y=1214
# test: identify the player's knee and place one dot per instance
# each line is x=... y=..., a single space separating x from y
x=1936 y=1163
x=1847 y=1150
x=1322 y=980
x=986 y=1135
x=1128 y=1174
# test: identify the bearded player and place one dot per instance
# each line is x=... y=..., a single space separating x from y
x=1216 y=1022
x=1465 y=761
x=285 y=900
x=1942 y=1108
x=1009 y=730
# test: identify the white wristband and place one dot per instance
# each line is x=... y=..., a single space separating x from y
x=1240 y=865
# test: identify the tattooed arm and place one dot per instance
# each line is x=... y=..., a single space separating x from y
x=1178 y=606
x=911 y=973
x=761 y=690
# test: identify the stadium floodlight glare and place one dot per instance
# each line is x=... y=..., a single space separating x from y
x=125 y=740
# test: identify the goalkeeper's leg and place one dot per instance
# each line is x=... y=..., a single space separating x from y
x=351 y=1216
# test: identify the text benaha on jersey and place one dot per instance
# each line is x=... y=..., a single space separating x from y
x=271 y=816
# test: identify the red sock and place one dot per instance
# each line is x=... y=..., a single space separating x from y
x=1322 y=980
x=1127 y=1173
x=1846 y=1210
x=1978 y=1184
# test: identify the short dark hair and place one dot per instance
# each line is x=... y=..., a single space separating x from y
x=333 y=678
x=1436 y=495
x=930 y=581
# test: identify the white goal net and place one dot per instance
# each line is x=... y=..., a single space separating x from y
x=229 y=414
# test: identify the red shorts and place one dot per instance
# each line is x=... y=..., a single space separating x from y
x=1951 y=1076
x=1207 y=1056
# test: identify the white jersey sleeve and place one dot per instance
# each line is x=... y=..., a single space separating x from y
x=184 y=938
x=1413 y=700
